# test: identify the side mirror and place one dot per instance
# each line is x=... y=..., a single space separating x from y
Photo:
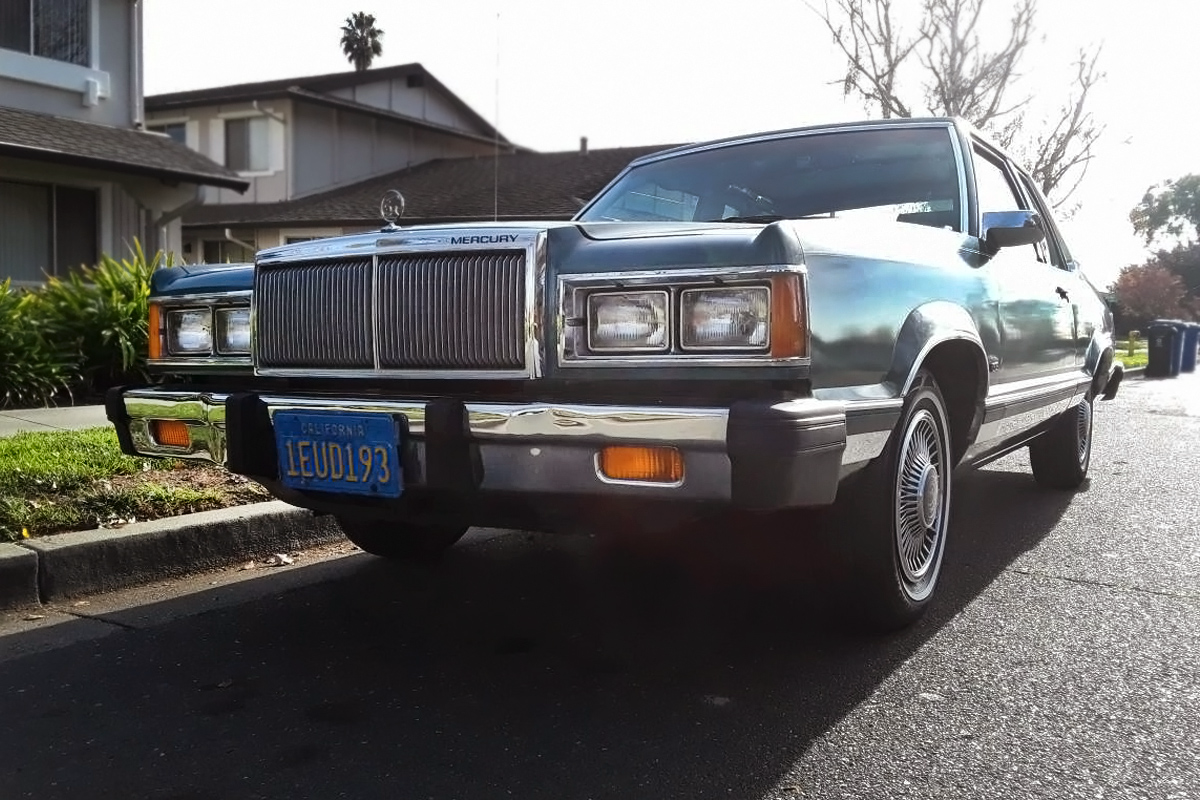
x=1011 y=229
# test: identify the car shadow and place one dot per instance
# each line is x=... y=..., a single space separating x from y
x=524 y=666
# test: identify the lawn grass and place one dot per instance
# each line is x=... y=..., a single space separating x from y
x=1140 y=358
x=79 y=480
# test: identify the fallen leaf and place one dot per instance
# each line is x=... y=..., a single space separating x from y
x=34 y=617
x=248 y=565
x=278 y=560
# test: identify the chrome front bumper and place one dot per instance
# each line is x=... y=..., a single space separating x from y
x=760 y=455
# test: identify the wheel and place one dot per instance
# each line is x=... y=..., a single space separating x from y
x=401 y=540
x=893 y=521
x=1060 y=457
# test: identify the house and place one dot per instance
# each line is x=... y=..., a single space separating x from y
x=79 y=176
x=518 y=186
x=298 y=139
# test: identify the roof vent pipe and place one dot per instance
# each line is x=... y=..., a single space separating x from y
x=583 y=145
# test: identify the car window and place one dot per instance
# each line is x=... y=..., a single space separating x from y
x=995 y=192
x=1054 y=247
x=650 y=201
x=897 y=174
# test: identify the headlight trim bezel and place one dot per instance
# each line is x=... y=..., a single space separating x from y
x=787 y=286
x=211 y=359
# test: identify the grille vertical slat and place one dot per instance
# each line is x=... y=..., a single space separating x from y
x=445 y=311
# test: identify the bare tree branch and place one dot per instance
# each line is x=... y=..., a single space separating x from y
x=953 y=73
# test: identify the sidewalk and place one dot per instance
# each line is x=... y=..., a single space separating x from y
x=72 y=418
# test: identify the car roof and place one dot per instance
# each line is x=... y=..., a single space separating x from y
x=961 y=124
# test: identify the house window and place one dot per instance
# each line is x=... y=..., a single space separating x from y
x=46 y=229
x=57 y=29
x=176 y=130
x=246 y=144
x=223 y=251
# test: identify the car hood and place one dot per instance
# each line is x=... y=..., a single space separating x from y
x=202 y=278
x=620 y=246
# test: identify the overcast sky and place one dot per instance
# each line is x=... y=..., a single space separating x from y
x=646 y=72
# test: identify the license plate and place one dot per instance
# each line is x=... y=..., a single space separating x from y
x=342 y=452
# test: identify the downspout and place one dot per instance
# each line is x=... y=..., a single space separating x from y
x=272 y=114
x=135 y=67
x=229 y=237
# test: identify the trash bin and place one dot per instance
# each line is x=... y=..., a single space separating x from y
x=1190 y=339
x=1161 y=336
x=1177 y=349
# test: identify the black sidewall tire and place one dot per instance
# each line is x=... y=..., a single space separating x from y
x=1054 y=456
x=401 y=541
x=866 y=523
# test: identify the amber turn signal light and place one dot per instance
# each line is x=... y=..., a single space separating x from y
x=789 y=328
x=155 y=331
x=644 y=464
x=170 y=433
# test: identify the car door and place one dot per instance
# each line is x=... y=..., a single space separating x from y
x=1085 y=306
x=1036 y=318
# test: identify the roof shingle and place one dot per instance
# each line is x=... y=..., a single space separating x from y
x=519 y=186
x=41 y=137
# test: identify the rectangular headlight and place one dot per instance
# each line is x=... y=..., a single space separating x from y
x=189 y=332
x=634 y=322
x=725 y=318
x=233 y=331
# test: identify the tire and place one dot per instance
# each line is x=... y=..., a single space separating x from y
x=1060 y=457
x=401 y=541
x=894 y=519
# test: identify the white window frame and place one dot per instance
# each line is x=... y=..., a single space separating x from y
x=92 y=83
x=275 y=140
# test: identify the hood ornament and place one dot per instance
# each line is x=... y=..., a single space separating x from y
x=391 y=208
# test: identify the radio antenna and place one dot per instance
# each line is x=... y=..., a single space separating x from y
x=496 y=133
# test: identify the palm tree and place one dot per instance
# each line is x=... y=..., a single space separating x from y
x=360 y=40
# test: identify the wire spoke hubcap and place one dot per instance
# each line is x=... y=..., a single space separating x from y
x=921 y=504
x=1083 y=422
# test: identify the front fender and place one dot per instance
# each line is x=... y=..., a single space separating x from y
x=926 y=327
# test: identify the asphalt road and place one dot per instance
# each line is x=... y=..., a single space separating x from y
x=1062 y=661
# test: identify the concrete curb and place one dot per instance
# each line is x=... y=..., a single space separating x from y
x=72 y=564
x=18 y=577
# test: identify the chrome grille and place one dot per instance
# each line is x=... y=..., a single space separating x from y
x=461 y=311
x=412 y=311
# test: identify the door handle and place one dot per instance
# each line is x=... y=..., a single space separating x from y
x=1062 y=293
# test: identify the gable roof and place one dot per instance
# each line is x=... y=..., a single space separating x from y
x=42 y=137
x=321 y=85
x=520 y=186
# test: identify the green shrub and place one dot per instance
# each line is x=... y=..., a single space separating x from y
x=100 y=313
x=33 y=370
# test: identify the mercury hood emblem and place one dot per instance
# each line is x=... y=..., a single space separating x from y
x=391 y=208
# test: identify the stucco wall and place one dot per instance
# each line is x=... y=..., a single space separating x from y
x=59 y=88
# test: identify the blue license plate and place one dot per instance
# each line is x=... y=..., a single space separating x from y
x=343 y=452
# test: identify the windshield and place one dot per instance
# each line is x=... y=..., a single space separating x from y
x=899 y=174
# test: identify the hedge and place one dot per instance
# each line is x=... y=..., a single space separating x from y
x=75 y=336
